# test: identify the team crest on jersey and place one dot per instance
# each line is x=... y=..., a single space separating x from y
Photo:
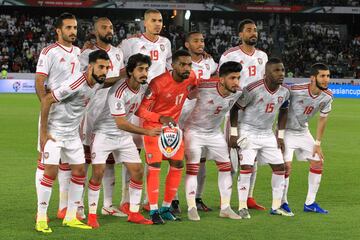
x=321 y=105
x=280 y=99
x=162 y=47
x=170 y=140
x=46 y=155
x=260 y=61
x=118 y=106
x=117 y=57
x=207 y=66
x=93 y=155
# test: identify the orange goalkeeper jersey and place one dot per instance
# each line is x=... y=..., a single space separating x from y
x=165 y=97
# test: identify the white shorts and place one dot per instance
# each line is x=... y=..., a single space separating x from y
x=122 y=148
x=93 y=111
x=137 y=138
x=262 y=147
x=69 y=151
x=302 y=143
x=210 y=145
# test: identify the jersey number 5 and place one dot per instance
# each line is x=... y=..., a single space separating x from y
x=269 y=107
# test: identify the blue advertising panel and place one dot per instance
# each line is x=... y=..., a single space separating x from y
x=17 y=86
x=345 y=91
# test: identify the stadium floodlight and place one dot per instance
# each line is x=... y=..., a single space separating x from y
x=187 y=14
x=137 y=20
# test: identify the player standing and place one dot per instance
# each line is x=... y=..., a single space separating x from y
x=114 y=137
x=162 y=105
x=253 y=62
x=260 y=101
x=57 y=63
x=204 y=68
x=202 y=133
x=59 y=137
x=305 y=101
x=149 y=43
x=104 y=36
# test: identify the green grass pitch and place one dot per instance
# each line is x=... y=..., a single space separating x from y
x=339 y=191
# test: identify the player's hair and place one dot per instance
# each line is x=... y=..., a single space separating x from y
x=243 y=23
x=273 y=60
x=101 y=19
x=98 y=54
x=59 y=21
x=229 y=67
x=180 y=53
x=188 y=36
x=149 y=11
x=315 y=68
x=136 y=60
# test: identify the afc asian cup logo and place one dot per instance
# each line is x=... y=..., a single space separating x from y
x=162 y=47
x=46 y=155
x=16 y=86
x=260 y=61
x=280 y=99
x=321 y=105
x=117 y=57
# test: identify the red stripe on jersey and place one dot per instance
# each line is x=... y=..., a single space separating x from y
x=233 y=49
x=254 y=85
x=41 y=73
x=78 y=82
x=48 y=48
x=299 y=87
x=118 y=115
x=52 y=93
x=127 y=84
x=120 y=90
x=328 y=92
x=207 y=85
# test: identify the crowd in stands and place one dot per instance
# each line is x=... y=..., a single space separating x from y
x=22 y=38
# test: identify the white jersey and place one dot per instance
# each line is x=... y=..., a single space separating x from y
x=203 y=69
x=253 y=65
x=72 y=97
x=97 y=104
x=121 y=101
x=261 y=106
x=58 y=63
x=303 y=106
x=211 y=107
x=159 y=52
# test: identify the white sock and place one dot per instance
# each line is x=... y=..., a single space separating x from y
x=108 y=184
x=93 y=196
x=243 y=186
x=314 y=179
x=225 y=188
x=64 y=176
x=277 y=184
x=75 y=192
x=125 y=180
x=253 y=180
x=86 y=179
x=39 y=175
x=135 y=189
x=286 y=189
x=44 y=194
x=201 y=180
x=191 y=184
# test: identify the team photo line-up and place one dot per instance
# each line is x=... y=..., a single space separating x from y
x=103 y=105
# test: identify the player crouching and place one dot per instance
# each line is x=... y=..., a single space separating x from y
x=112 y=135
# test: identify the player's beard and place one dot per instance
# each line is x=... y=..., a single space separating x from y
x=320 y=87
x=99 y=79
x=143 y=80
x=108 y=38
x=184 y=75
x=68 y=38
x=251 y=41
x=229 y=89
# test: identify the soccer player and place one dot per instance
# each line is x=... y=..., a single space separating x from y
x=58 y=62
x=305 y=101
x=261 y=100
x=162 y=105
x=104 y=36
x=202 y=132
x=253 y=62
x=59 y=137
x=149 y=43
x=114 y=137
x=204 y=68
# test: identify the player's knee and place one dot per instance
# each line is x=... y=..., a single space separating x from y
x=246 y=167
x=288 y=168
x=155 y=165
x=176 y=164
x=316 y=165
x=51 y=170
x=137 y=173
x=78 y=170
x=98 y=173
x=278 y=167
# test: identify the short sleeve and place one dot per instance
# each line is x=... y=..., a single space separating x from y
x=169 y=55
x=116 y=105
x=84 y=60
x=244 y=99
x=213 y=66
x=326 y=108
x=63 y=92
x=44 y=64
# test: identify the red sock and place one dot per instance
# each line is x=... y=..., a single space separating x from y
x=153 y=182
x=172 y=183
